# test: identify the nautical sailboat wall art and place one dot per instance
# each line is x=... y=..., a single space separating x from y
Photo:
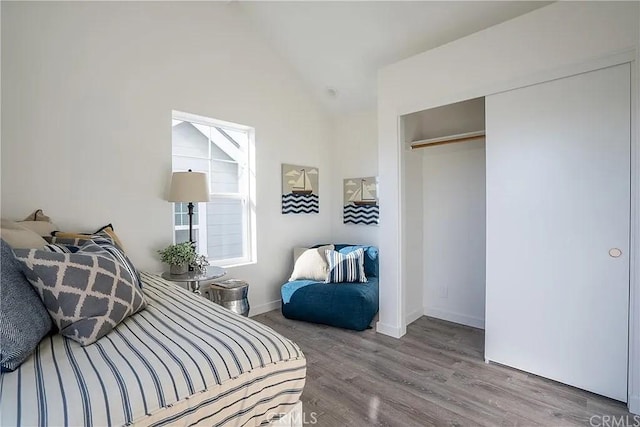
x=361 y=201
x=300 y=189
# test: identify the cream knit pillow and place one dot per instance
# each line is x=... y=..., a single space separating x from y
x=19 y=237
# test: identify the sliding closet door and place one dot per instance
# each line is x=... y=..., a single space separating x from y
x=558 y=201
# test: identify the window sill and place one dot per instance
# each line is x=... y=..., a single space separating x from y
x=232 y=264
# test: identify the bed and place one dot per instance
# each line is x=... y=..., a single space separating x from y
x=181 y=361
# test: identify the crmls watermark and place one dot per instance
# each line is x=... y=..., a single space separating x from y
x=298 y=418
x=615 y=421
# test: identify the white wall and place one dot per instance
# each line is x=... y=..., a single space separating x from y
x=355 y=154
x=454 y=232
x=634 y=292
x=412 y=262
x=88 y=90
x=560 y=39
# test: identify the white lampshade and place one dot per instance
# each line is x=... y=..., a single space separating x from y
x=189 y=187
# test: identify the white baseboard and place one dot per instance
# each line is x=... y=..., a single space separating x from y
x=414 y=315
x=263 y=308
x=634 y=404
x=450 y=316
x=389 y=330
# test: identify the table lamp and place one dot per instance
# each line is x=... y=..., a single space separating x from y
x=189 y=187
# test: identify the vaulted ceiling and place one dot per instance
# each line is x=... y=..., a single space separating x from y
x=337 y=47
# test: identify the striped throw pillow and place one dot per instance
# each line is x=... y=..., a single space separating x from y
x=61 y=249
x=346 y=268
x=107 y=232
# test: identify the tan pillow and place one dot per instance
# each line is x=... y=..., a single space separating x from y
x=37 y=215
x=19 y=237
x=39 y=223
x=107 y=229
x=310 y=264
x=41 y=228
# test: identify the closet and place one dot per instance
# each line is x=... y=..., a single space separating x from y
x=525 y=231
x=445 y=176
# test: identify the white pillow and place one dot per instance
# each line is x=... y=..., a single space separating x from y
x=310 y=264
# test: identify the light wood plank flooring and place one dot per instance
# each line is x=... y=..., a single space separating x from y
x=434 y=375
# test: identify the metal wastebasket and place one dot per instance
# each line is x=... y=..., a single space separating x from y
x=229 y=293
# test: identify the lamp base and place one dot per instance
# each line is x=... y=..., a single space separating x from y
x=193 y=243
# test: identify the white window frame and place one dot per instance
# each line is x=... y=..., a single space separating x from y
x=247 y=197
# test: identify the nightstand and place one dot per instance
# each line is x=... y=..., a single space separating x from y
x=230 y=293
x=193 y=278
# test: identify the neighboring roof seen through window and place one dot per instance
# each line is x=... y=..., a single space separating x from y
x=226 y=142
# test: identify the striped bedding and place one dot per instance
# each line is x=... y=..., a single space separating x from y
x=182 y=361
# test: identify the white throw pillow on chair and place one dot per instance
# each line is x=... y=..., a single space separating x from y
x=311 y=264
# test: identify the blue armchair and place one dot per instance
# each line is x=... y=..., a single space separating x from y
x=345 y=305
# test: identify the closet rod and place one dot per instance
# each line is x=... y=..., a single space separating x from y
x=462 y=137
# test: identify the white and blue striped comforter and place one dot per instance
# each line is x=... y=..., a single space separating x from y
x=183 y=360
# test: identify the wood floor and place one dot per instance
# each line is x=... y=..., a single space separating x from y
x=434 y=375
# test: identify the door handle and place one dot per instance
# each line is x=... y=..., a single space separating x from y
x=615 y=252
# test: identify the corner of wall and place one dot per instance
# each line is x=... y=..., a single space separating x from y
x=264 y=308
x=450 y=316
x=414 y=315
x=355 y=151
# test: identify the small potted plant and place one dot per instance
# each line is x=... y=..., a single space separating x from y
x=179 y=257
x=182 y=256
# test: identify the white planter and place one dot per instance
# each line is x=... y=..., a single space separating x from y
x=178 y=269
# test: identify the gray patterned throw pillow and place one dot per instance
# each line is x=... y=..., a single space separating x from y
x=24 y=320
x=87 y=293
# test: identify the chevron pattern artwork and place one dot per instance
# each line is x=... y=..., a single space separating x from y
x=360 y=197
x=300 y=189
x=367 y=215
x=300 y=204
x=87 y=293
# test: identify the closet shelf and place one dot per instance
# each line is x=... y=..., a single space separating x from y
x=461 y=137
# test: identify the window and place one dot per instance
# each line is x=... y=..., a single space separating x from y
x=181 y=224
x=224 y=228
